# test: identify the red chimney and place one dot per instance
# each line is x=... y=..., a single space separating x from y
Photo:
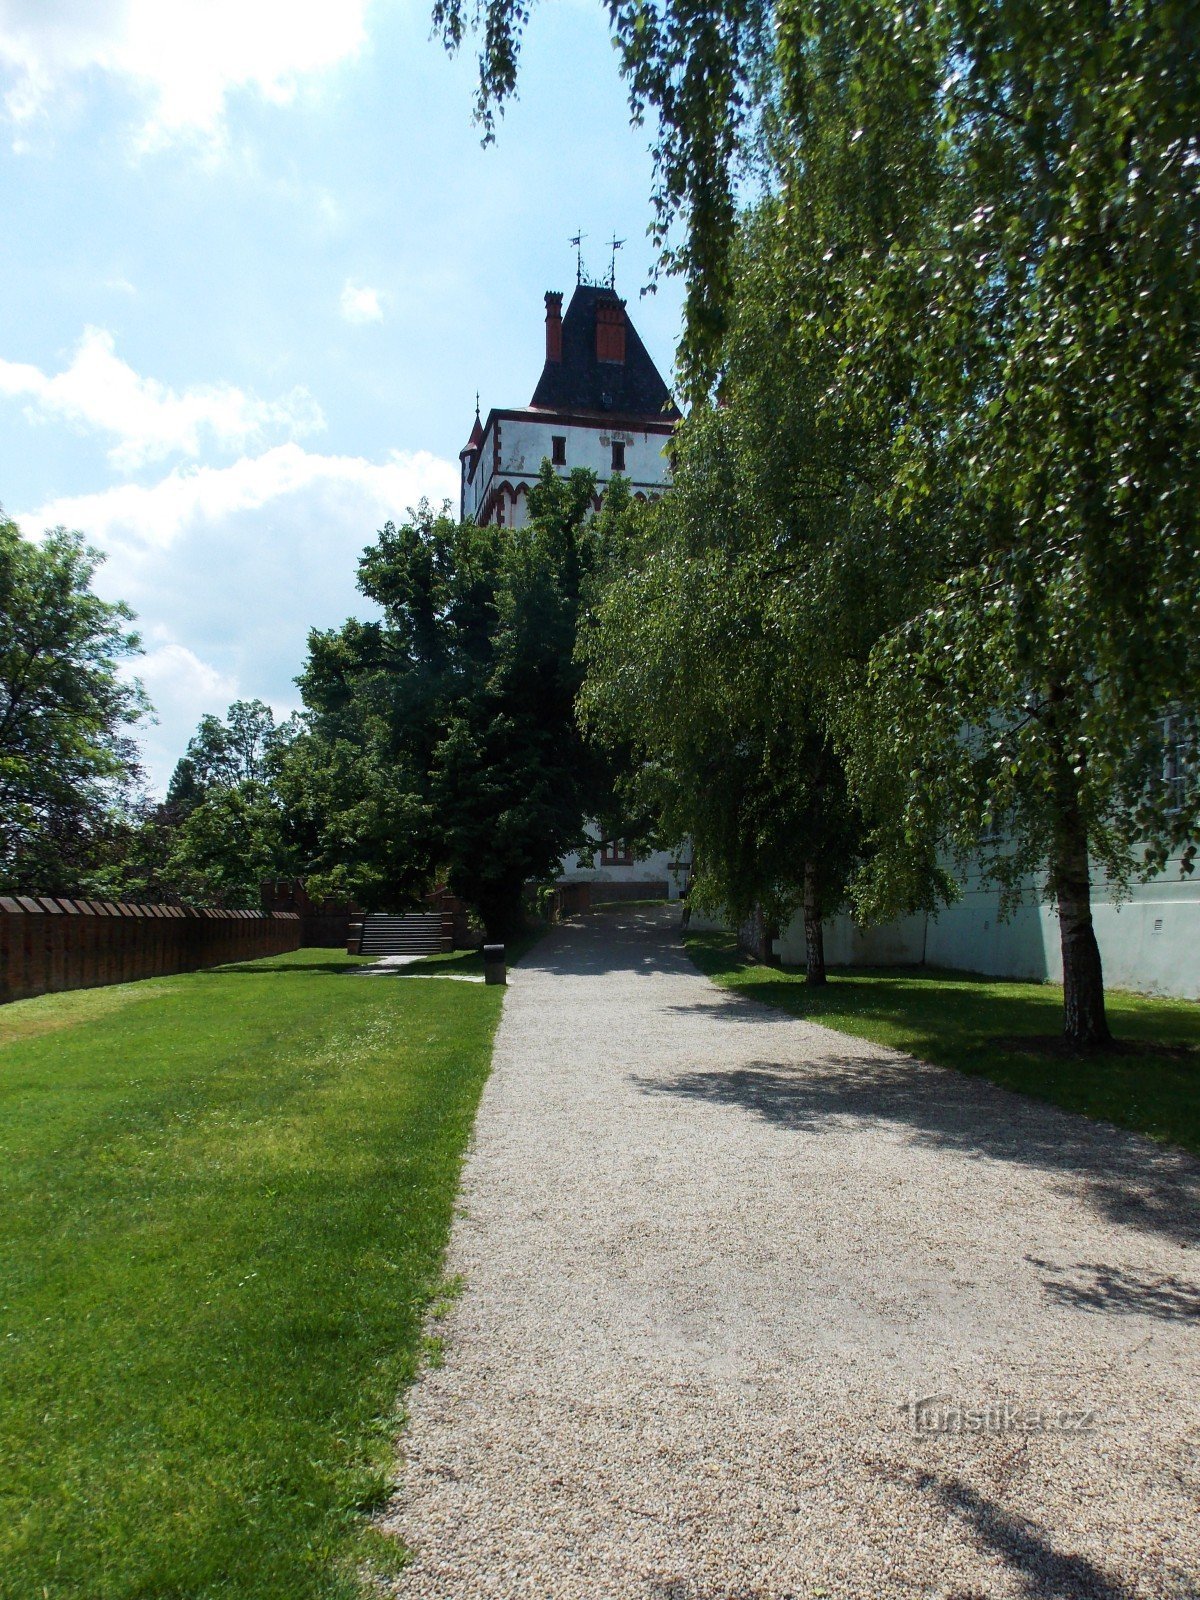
x=553 y=327
x=610 y=330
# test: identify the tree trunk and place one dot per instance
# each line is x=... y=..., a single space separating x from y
x=1085 y=1026
x=814 y=933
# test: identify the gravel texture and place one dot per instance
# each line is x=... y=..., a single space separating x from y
x=711 y=1253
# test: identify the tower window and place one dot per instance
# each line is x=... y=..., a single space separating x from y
x=558 y=449
x=618 y=455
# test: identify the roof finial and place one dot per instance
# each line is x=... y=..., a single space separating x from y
x=577 y=241
x=612 y=271
x=477 y=405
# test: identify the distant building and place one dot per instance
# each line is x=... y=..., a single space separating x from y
x=616 y=873
x=599 y=403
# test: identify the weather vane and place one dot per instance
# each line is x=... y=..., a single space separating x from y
x=612 y=270
x=577 y=241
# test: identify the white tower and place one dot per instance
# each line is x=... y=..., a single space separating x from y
x=599 y=403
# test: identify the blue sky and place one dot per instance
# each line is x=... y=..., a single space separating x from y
x=257 y=264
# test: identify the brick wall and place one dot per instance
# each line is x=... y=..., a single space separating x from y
x=50 y=944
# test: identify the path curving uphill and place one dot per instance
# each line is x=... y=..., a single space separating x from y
x=712 y=1256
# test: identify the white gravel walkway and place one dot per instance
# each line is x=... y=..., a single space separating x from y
x=711 y=1253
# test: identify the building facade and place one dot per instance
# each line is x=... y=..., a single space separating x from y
x=1148 y=937
x=612 y=864
x=600 y=403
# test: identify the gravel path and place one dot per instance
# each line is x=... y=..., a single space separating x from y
x=711 y=1253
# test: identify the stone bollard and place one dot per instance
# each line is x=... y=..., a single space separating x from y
x=493 y=964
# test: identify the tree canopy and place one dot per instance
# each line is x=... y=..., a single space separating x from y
x=1008 y=203
x=446 y=736
x=66 y=708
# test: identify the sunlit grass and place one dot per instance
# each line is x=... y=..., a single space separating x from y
x=223 y=1203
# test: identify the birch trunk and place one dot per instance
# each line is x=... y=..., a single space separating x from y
x=814 y=933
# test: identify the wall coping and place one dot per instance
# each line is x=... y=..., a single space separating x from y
x=45 y=905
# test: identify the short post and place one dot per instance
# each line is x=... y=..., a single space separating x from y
x=494 y=970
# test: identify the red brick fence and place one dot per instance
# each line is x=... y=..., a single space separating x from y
x=47 y=945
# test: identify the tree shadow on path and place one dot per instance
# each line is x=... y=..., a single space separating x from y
x=1044 y=1572
x=1125 y=1178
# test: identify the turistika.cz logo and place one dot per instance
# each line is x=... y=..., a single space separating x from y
x=936 y=1414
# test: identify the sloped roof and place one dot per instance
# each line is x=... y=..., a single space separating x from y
x=632 y=388
x=476 y=438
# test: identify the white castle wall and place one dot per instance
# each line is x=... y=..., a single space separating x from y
x=1149 y=942
x=525 y=443
x=585 y=867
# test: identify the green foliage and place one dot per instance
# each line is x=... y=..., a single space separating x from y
x=736 y=627
x=247 y=747
x=227 y=845
x=1055 y=371
x=689 y=672
x=224 y=1203
x=231 y=819
x=1070 y=281
x=444 y=733
x=66 y=760
x=1008 y=199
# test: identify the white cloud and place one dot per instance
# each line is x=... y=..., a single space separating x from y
x=98 y=390
x=185 y=56
x=172 y=671
x=182 y=688
x=361 y=304
x=228 y=568
x=188 y=498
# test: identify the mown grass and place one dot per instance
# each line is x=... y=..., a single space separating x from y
x=974 y=1024
x=224 y=1199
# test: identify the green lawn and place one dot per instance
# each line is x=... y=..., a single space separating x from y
x=224 y=1199
x=956 y=1019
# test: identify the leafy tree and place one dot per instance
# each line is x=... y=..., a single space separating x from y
x=228 y=844
x=66 y=758
x=244 y=748
x=447 y=726
x=1058 y=367
x=1050 y=428
x=226 y=823
x=742 y=629
x=689 y=671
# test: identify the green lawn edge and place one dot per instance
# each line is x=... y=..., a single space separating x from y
x=954 y=1019
x=224 y=1207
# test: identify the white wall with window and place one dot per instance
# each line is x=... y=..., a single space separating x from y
x=614 y=861
x=516 y=443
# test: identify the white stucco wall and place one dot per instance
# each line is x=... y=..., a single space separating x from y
x=1149 y=942
x=657 y=866
x=525 y=442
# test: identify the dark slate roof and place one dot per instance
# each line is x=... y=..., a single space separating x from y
x=581 y=383
x=476 y=438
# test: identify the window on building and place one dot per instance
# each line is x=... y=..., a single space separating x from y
x=616 y=853
x=1179 y=740
x=618 y=455
x=558 y=449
